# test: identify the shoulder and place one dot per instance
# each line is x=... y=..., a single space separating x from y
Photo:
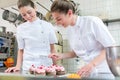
x=90 y=18
x=22 y=26
x=46 y=24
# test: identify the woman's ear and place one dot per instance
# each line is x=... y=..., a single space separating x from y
x=35 y=8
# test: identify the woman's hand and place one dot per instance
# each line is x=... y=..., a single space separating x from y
x=56 y=56
x=86 y=70
x=12 y=70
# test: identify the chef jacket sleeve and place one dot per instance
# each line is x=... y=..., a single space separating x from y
x=52 y=35
x=20 y=39
x=101 y=33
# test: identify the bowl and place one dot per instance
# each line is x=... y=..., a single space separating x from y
x=113 y=59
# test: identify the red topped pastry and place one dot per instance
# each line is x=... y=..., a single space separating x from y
x=40 y=71
x=60 y=70
x=32 y=69
x=50 y=71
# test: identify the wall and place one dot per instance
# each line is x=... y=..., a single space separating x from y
x=108 y=9
x=114 y=29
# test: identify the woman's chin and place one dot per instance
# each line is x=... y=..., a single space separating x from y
x=65 y=26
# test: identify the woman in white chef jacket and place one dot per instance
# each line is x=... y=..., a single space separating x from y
x=88 y=38
x=35 y=38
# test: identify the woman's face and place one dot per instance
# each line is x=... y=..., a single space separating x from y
x=28 y=13
x=62 y=19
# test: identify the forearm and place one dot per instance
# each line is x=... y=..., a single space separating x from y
x=19 y=58
x=99 y=58
x=53 y=51
x=68 y=55
x=57 y=56
x=52 y=48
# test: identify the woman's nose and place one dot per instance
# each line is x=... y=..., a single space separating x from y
x=28 y=15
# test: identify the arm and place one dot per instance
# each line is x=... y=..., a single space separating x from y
x=19 y=63
x=86 y=70
x=99 y=58
x=19 y=58
x=52 y=48
x=69 y=55
x=58 y=56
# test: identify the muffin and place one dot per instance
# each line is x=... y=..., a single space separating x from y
x=32 y=69
x=60 y=70
x=40 y=71
x=50 y=71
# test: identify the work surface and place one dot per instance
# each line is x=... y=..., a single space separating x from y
x=11 y=76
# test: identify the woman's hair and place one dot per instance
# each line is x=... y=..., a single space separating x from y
x=22 y=3
x=62 y=6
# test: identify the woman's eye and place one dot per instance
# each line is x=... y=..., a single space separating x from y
x=29 y=12
x=58 y=19
x=24 y=15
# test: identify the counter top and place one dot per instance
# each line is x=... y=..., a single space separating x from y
x=14 y=76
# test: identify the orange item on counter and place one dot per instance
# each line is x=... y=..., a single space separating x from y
x=74 y=75
x=9 y=62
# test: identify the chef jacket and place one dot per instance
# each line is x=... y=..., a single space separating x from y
x=87 y=38
x=35 y=39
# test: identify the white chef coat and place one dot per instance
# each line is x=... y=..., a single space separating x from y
x=35 y=39
x=87 y=38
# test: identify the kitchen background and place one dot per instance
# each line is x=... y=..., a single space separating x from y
x=107 y=10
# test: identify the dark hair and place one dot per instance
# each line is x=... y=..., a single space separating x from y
x=62 y=6
x=22 y=3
